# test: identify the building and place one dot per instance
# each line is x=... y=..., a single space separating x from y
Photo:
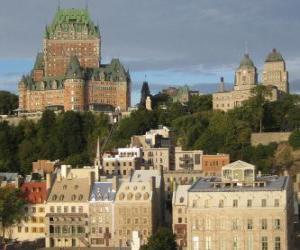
x=67 y=210
x=32 y=227
x=68 y=74
x=188 y=159
x=180 y=94
x=179 y=221
x=274 y=72
x=212 y=164
x=44 y=167
x=10 y=179
x=239 y=210
x=101 y=215
x=123 y=163
x=246 y=79
x=137 y=207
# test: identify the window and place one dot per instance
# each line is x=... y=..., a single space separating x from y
x=93 y=230
x=58 y=209
x=277 y=243
x=80 y=209
x=66 y=209
x=264 y=224
x=276 y=203
x=208 y=243
x=73 y=209
x=41 y=209
x=277 y=224
x=19 y=229
x=249 y=224
x=179 y=220
x=264 y=243
x=195 y=243
x=263 y=202
x=221 y=203
x=26 y=229
x=249 y=203
x=33 y=210
x=235 y=203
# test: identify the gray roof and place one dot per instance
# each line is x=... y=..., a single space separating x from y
x=272 y=183
x=145 y=175
x=8 y=176
x=102 y=191
x=274 y=56
x=246 y=62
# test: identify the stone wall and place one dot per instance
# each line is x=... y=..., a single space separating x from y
x=269 y=137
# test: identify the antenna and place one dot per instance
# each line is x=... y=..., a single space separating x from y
x=86 y=5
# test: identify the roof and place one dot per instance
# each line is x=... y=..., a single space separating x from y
x=181 y=194
x=35 y=192
x=145 y=176
x=72 y=19
x=102 y=191
x=8 y=176
x=74 y=70
x=39 y=61
x=272 y=183
x=70 y=190
x=246 y=62
x=239 y=164
x=274 y=56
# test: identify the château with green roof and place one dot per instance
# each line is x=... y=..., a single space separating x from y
x=68 y=74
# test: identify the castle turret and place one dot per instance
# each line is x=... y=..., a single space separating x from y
x=246 y=74
x=74 y=86
x=275 y=73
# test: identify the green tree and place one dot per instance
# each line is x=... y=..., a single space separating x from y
x=294 y=139
x=163 y=239
x=8 y=102
x=11 y=207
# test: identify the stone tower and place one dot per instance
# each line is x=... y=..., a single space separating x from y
x=72 y=32
x=246 y=74
x=274 y=72
x=74 y=86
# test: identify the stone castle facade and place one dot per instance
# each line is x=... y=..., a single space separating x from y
x=68 y=74
x=274 y=77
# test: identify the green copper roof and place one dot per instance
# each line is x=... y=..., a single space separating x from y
x=39 y=61
x=74 y=70
x=246 y=62
x=274 y=56
x=72 y=20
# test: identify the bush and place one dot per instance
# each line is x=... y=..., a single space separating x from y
x=294 y=139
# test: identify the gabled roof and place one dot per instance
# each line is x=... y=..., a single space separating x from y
x=102 y=191
x=39 y=61
x=145 y=176
x=239 y=164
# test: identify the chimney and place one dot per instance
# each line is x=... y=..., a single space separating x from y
x=115 y=183
x=222 y=85
x=64 y=170
x=48 y=181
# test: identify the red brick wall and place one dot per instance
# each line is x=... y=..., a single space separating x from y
x=212 y=164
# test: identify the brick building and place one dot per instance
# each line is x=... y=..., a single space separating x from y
x=68 y=74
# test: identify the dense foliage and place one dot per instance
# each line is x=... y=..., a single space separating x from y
x=8 y=102
x=294 y=139
x=11 y=207
x=163 y=239
x=71 y=136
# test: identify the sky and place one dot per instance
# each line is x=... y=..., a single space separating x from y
x=166 y=42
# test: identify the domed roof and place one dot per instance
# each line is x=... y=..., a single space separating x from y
x=274 y=56
x=246 y=62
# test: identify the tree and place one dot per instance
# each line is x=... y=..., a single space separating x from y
x=11 y=207
x=163 y=239
x=294 y=139
x=8 y=102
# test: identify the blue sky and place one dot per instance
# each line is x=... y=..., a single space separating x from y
x=171 y=41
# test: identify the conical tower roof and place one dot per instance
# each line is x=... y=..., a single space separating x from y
x=74 y=70
x=274 y=56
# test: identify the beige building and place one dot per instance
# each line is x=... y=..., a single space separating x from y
x=239 y=211
x=274 y=76
x=188 y=159
x=101 y=215
x=137 y=207
x=123 y=163
x=67 y=209
x=275 y=72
